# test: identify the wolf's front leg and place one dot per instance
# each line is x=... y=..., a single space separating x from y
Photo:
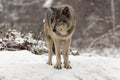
x=66 y=45
x=58 y=57
x=49 y=43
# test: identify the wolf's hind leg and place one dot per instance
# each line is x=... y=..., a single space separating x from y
x=66 y=55
x=58 y=55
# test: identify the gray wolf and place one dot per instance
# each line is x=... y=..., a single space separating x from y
x=59 y=27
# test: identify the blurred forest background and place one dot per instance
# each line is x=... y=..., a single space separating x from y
x=97 y=20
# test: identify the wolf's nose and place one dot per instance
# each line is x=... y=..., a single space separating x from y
x=54 y=30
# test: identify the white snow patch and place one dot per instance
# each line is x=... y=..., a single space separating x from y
x=47 y=3
x=23 y=65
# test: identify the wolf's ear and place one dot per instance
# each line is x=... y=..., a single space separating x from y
x=66 y=12
x=53 y=9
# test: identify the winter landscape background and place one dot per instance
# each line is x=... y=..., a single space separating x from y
x=94 y=52
x=97 y=20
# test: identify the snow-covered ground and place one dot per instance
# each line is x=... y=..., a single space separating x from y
x=23 y=65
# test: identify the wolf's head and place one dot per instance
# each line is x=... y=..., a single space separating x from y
x=60 y=19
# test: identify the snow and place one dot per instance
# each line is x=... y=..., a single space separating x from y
x=23 y=65
x=47 y=3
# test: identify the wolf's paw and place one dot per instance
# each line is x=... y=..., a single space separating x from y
x=58 y=66
x=67 y=66
x=49 y=63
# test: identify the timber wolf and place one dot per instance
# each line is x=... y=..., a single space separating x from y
x=59 y=27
